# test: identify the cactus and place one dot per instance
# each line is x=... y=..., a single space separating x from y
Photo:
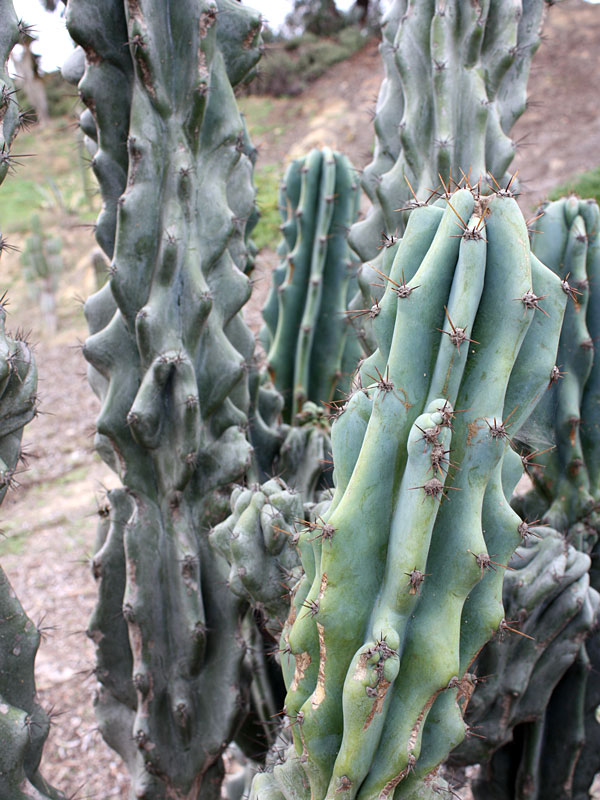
x=169 y=353
x=567 y=478
x=24 y=724
x=565 y=494
x=309 y=352
x=42 y=264
x=373 y=703
x=455 y=84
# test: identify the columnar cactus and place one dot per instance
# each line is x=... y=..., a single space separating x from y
x=565 y=495
x=169 y=353
x=24 y=724
x=310 y=354
x=403 y=581
x=548 y=597
x=455 y=84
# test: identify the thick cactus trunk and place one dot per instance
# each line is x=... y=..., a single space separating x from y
x=169 y=353
x=403 y=583
x=455 y=83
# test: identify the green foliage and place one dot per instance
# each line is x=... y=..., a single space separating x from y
x=585 y=184
x=266 y=179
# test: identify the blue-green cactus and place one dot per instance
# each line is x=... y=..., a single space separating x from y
x=403 y=584
x=455 y=84
x=311 y=346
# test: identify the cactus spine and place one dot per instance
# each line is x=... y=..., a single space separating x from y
x=310 y=354
x=169 y=353
x=455 y=84
x=373 y=703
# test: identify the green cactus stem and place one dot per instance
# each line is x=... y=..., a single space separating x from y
x=42 y=265
x=552 y=608
x=398 y=600
x=310 y=353
x=24 y=724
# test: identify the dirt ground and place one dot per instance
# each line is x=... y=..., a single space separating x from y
x=49 y=522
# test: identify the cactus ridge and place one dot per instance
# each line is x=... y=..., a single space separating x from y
x=373 y=705
x=310 y=353
x=454 y=85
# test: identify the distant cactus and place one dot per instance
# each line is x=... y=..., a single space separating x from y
x=455 y=84
x=311 y=346
x=42 y=264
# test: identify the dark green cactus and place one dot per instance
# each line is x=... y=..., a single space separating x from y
x=169 y=353
x=24 y=724
x=310 y=354
x=552 y=608
x=402 y=585
x=455 y=83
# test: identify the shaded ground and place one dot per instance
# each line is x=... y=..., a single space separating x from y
x=50 y=520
